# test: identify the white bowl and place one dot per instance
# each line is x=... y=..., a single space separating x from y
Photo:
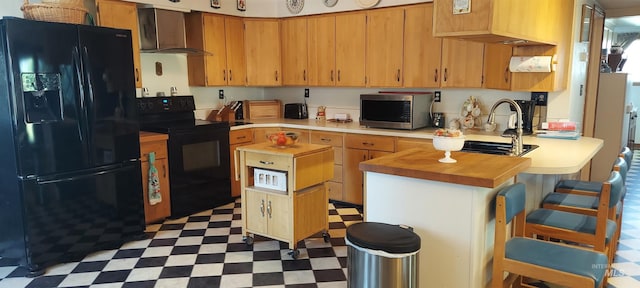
x=448 y=143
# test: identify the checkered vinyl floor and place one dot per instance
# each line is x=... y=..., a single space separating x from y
x=206 y=250
x=203 y=250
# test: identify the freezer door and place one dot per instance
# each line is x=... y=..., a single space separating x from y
x=68 y=216
x=110 y=95
x=45 y=96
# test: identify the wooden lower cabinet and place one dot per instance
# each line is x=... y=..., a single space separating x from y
x=237 y=138
x=334 y=185
x=157 y=143
x=358 y=148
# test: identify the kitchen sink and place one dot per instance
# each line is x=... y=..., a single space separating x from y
x=496 y=148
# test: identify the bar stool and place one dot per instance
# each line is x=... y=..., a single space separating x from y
x=519 y=257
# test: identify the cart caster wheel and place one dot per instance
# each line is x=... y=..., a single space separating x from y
x=294 y=254
x=248 y=240
x=326 y=237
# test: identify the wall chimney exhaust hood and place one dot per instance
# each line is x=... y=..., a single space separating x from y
x=163 y=31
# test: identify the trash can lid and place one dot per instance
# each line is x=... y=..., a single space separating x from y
x=382 y=236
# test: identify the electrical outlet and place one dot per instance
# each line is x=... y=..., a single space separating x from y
x=220 y=94
x=436 y=96
x=306 y=92
x=540 y=98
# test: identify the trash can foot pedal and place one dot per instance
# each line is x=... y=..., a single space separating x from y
x=248 y=240
x=326 y=236
x=295 y=253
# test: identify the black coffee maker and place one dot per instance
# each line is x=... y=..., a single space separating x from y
x=528 y=108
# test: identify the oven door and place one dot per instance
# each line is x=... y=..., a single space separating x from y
x=199 y=170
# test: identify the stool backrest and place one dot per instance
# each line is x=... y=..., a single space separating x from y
x=514 y=200
x=616 y=187
x=621 y=165
x=627 y=154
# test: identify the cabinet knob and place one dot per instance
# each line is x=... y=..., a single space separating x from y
x=262 y=208
x=224 y=75
x=435 y=76
x=230 y=75
x=269 y=209
x=445 y=75
x=266 y=162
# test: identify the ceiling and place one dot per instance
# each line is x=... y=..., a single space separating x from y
x=624 y=24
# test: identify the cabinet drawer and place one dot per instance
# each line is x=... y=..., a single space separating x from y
x=159 y=147
x=268 y=161
x=326 y=138
x=369 y=142
x=337 y=173
x=408 y=143
x=240 y=136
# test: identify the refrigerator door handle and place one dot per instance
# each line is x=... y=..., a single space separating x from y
x=50 y=179
x=76 y=67
x=89 y=111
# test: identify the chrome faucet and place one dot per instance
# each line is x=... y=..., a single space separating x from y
x=516 y=141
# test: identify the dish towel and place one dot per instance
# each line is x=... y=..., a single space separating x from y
x=154 y=182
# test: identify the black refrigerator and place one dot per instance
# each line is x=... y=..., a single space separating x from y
x=70 y=180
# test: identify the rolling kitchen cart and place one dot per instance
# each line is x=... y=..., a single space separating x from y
x=283 y=191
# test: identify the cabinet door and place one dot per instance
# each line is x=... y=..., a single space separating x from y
x=235 y=184
x=123 y=15
x=236 y=63
x=352 y=181
x=256 y=209
x=162 y=210
x=462 y=63
x=422 y=51
x=294 y=51
x=262 y=46
x=279 y=216
x=446 y=23
x=321 y=50
x=350 y=49
x=385 y=47
x=496 y=66
x=206 y=31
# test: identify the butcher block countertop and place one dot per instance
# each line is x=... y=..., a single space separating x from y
x=473 y=169
x=151 y=136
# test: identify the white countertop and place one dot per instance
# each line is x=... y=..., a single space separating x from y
x=553 y=156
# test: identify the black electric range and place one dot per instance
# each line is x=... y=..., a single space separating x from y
x=198 y=150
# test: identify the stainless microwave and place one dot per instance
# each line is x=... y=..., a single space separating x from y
x=395 y=111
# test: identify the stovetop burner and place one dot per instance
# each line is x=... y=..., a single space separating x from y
x=169 y=114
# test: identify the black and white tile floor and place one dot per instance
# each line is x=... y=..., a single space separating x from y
x=204 y=250
x=207 y=250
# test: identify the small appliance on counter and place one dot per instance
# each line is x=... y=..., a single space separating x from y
x=438 y=120
x=296 y=111
x=396 y=110
x=527 y=108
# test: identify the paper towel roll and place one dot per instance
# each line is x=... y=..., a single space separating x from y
x=531 y=64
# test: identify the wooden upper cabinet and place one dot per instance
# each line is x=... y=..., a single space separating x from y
x=385 y=47
x=496 y=66
x=209 y=32
x=236 y=62
x=494 y=21
x=123 y=15
x=262 y=46
x=350 y=49
x=321 y=34
x=294 y=48
x=462 y=63
x=422 y=51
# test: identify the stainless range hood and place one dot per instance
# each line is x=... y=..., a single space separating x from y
x=163 y=31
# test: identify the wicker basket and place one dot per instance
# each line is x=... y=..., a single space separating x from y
x=54 y=12
x=76 y=3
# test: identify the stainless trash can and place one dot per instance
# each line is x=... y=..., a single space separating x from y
x=381 y=255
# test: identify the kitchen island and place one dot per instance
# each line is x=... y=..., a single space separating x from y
x=450 y=206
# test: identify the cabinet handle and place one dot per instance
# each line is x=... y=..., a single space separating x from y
x=398 y=76
x=137 y=75
x=326 y=140
x=164 y=171
x=276 y=75
x=435 y=76
x=236 y=160
x=224 y=75
x=241 y=137
x=331 y=75
x=266 y=162
x=304 y=75
x=367 y=144
x=262 y=208
x=445 y=75
x=338 y=75
x=364 y=157
x=506 y=75
x=230 y=75
x=269 y=209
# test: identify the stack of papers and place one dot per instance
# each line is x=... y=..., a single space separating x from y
x=559 y=134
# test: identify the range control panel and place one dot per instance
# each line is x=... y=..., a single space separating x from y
x=173 y=104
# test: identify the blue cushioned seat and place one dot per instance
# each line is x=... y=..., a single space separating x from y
x=558 y=257
x=580 y=201
x=570 y=221
x=591 y=186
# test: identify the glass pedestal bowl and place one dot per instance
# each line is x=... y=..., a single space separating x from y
x=448 y=144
